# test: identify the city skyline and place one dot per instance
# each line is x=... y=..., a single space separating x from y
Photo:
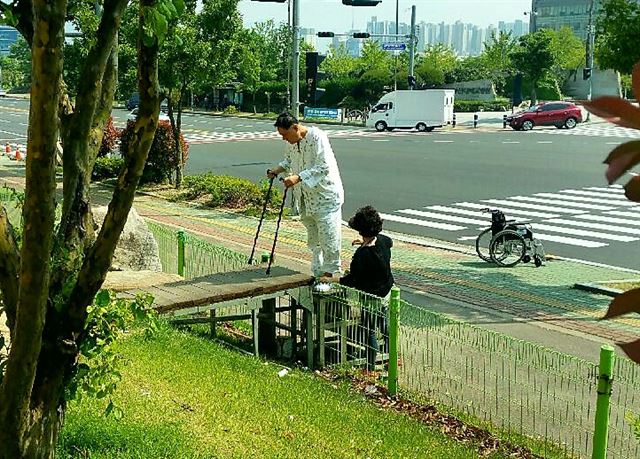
x=331 y=15
x=465 y=39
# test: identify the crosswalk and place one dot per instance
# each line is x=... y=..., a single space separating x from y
x=590 y=217
x=594 y=130
x=195 y=136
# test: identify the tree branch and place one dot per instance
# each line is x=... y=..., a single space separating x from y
x=39 y=215
x=98 y=259
x=76 y=218
x=9 y=268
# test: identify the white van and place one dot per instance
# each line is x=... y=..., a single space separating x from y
x=423 y=110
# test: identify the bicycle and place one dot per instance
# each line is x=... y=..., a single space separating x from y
x=507 y=242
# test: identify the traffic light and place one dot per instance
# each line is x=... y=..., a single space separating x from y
x=361 y=35
x=361 y=2
x=313 y=75
x=326 y=34
x=586 y=73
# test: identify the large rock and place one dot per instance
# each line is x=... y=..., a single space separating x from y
x=137 y=250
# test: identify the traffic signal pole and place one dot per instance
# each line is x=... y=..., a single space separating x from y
x=296 y=59
x=412 y=43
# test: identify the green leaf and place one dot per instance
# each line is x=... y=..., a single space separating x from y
x=103 y=298
x=179 y=5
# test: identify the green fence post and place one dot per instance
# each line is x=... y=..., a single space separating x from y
x=605 y=383
x=394 y=307
x=181 y=240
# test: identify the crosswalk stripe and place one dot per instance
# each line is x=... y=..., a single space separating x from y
x=604 y=218
x=472 y=213
x=448 y=218
x=570 y=240
x=533 y=206
x=562 y=203
x=585 y=193
x=620 y=213
x=612 y=201
x=509 y=211
x=425 y=223
x=611 y=189
x=598 y=226
x=578 y=232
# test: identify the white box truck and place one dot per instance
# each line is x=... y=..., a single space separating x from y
x=423 y=110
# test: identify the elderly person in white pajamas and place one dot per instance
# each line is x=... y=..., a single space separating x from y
x=313 y=175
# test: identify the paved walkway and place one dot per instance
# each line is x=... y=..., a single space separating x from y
x=535 y=304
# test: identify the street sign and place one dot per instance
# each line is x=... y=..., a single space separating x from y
x=394 y=46
x=322 y=113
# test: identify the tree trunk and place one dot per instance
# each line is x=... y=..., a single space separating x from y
x=18 y=419
x=534 y=96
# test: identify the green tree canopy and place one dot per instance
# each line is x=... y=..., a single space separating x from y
x=618 y=29
x=534 y=58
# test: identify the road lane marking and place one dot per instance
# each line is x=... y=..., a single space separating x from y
x=509 y=211
x=443 y=141
x=598 y=226
x=612 y=200
x=570 y=241
x=413 y=221
x=579 y=205
x=437 y=216
x=526 y=205
x=586 y=233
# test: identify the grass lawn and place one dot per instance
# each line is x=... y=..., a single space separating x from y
x=186 y=397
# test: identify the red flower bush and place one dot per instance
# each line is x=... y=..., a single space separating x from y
x=109 y=138
x=162 y=160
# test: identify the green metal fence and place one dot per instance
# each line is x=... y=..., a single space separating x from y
x=185 y=254
x=520 y=388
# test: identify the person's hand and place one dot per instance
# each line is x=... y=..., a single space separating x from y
x=291 y=180
x=357 y=241
x=271 y=174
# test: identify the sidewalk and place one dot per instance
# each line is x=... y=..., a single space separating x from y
x=533 y=304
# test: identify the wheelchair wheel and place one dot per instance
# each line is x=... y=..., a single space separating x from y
x=507 y=248
x=483 y=241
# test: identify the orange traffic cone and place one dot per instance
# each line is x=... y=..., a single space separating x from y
x=7 y=149
x=18 y=154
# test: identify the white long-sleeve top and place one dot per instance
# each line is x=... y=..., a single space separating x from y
x=313 y=160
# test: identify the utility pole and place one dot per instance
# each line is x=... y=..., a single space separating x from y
x=289 y=57
x=412 y=43
x=589 y=52
x=395 y=64
x=296 y=58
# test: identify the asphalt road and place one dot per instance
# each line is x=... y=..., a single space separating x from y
x=435 y=184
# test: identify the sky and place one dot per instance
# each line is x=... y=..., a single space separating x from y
x=332 y=15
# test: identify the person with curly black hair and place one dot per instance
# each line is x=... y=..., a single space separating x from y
x=370 y=272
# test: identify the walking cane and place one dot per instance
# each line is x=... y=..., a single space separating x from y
x=275 y=237
x=264 y=210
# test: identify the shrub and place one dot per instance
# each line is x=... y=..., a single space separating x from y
x=109 y=137
x=106 y=167
x=162 y=161
x=496 y=105
x=227 y=191
x=230 y=110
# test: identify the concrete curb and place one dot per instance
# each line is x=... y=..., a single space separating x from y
x=595 y=288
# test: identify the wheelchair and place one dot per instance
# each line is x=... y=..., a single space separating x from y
x=507 y=242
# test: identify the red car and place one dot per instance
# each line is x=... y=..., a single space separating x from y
x=558 y=114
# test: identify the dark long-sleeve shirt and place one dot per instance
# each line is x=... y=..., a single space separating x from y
x=370 y=269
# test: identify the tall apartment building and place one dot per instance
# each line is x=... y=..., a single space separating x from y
x=8 y=36
x=555 y=14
